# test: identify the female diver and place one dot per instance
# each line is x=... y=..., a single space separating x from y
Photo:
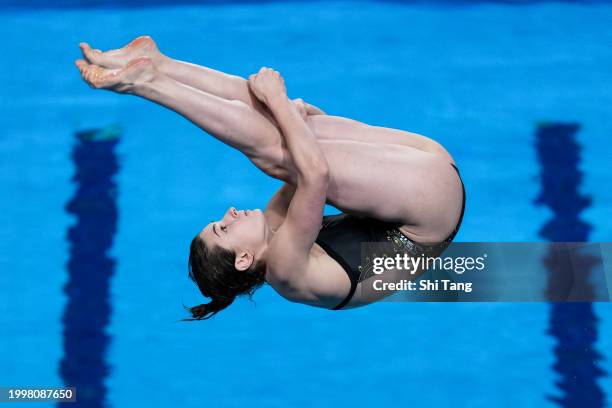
x=391 y=185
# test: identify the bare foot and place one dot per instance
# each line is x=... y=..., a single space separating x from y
x=122 y=80
x=143 y=46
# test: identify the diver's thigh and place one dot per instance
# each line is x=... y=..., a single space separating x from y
x=326 y=127
x=394 y=183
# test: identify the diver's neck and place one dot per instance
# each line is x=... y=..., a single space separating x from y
x=269 y=235
x=270 y=232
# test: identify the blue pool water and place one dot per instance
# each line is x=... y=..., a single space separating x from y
x=479 y=78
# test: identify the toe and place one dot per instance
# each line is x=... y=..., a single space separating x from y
x=82 y=65
x=96 y=56
x=87 y=52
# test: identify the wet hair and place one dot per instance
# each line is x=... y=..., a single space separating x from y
x=214 y=272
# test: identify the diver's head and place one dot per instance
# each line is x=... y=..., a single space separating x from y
x=243 y=232
x=225 y=259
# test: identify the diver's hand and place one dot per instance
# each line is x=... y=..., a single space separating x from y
x=267 y=85
x=301 y=107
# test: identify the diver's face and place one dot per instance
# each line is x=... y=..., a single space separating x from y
x=243 y=230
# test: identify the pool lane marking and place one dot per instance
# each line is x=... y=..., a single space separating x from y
x=90 y=268
x=573 y=325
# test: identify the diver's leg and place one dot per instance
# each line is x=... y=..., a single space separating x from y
x=234 y=87
x=327 y=127
x=231 y=121
x=203 y=78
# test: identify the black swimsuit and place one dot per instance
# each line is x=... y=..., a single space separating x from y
x=341 y=237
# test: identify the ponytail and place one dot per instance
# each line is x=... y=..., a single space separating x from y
x=208 y=310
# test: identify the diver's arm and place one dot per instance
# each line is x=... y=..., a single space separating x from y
x=301 y=142
x=276 y=210
x=291 y=245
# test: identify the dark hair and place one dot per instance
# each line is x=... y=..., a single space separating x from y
x=213 y=270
